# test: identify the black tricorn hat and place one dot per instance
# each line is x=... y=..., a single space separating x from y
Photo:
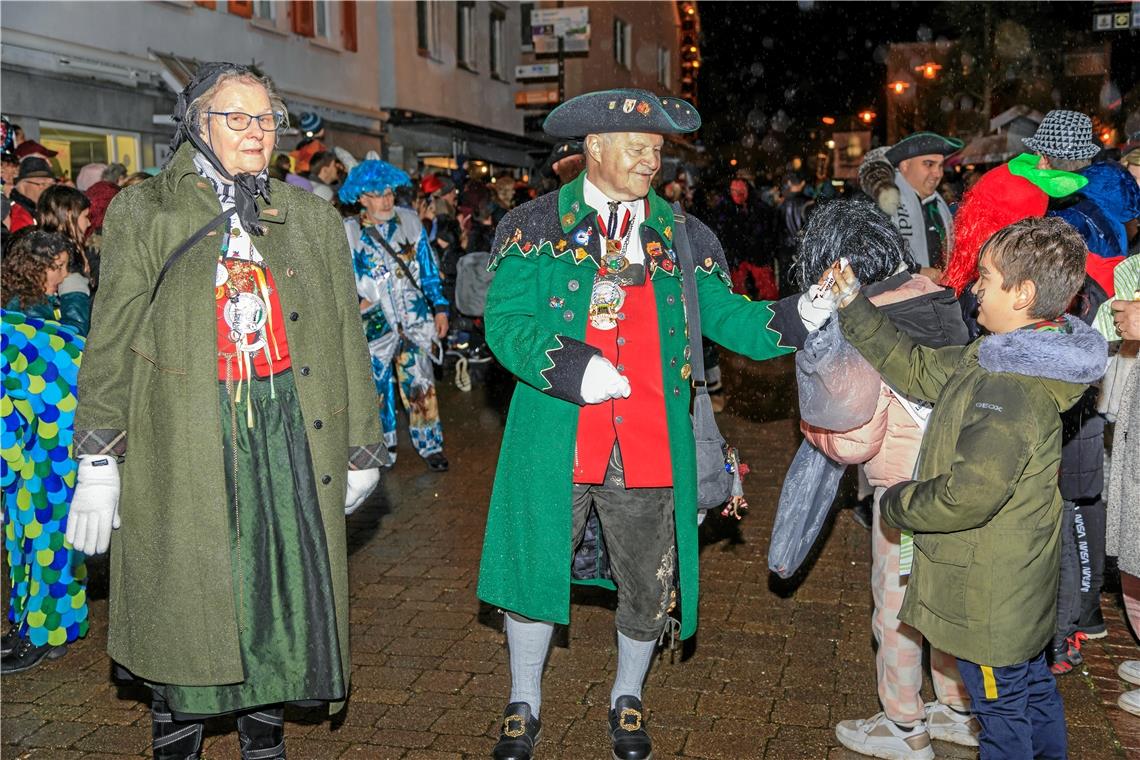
x=623 y=110
x=923 y=144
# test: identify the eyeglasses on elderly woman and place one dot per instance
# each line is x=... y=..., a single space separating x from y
x=239 y=121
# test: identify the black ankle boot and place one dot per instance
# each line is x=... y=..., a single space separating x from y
x=261 y=734
x=171 y=740
x=519 y=733
x=627 y=730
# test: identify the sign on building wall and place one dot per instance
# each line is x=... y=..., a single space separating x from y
x=571 y=24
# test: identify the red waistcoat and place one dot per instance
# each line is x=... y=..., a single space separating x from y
x=636 y=423
x=275 y=329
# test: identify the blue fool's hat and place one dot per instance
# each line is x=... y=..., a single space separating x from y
x=622 y=110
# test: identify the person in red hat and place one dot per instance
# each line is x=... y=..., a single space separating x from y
x=33 y=148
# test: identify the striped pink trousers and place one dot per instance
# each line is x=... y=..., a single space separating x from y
x=898 y=661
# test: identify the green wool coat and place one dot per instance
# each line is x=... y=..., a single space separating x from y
x=151 y=371
x=536 y=318
x=985 y=508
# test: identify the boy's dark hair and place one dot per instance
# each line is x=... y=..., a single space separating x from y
x=320 y=160
x=857 y=230
x=1046 y=251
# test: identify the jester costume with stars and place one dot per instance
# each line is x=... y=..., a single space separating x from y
x=402 y=296
x=47 y=599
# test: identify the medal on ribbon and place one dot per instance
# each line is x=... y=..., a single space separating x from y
x=606 y=300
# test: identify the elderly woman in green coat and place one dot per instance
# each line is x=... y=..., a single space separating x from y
x=227 y=370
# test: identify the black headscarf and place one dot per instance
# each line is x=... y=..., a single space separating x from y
x=247 y=187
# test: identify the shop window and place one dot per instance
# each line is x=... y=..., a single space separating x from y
x=79 y=145
x=427 y=28
x=265 y=10
x=498 y=55
x=622 y=39
x=465 y=44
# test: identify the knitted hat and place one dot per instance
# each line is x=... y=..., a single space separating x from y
x=88 y=176
x=1064 y=134
x=624 y=110
x=311 y=123
x=100 y=195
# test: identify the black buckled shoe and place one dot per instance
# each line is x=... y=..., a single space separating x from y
x=519 y=733
x=627 y=730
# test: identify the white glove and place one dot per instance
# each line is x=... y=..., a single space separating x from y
x=361 y=483
x=602 y=382
x=95 y=506
x=815 y=307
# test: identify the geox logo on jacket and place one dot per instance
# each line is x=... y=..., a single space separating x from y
x=987 y=405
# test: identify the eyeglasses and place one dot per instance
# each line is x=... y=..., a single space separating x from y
x=239 y=121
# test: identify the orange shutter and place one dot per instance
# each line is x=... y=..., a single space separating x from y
x=211 y=4
x=243 y=8
x=304 y=21
x=348 y=24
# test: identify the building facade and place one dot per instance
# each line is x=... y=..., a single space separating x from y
x=97 y=80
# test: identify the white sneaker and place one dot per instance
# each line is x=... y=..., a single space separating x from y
x=948 y=725
x=1129 y=701
x=1129 y=670
x=878 y=736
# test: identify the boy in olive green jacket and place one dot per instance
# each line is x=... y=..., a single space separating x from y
x=984 y=507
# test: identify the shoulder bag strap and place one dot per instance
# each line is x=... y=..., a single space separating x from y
x=186 y=245
x=689 y=287
x=373 y=233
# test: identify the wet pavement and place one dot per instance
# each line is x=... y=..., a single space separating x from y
x=773 y=667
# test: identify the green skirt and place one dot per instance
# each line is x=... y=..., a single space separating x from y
x=281 y=577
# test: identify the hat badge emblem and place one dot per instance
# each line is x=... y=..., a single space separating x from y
x=628 y=105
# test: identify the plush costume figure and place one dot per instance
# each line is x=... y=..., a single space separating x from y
x=586 y=310
x=47 y=602
x=397 y=280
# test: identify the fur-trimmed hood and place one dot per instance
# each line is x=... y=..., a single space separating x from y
x=1065 y=361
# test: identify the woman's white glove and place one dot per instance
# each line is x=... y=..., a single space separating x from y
x=815 y=307
x=601 y=381
x=361 y=483
x=95 y=506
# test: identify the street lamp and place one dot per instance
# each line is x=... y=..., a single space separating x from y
x=898 y=87
x=929 y=70
x=867 y=116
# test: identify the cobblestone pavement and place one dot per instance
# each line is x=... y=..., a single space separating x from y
x=773 y=667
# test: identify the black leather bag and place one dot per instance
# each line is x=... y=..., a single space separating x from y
x=717 y=470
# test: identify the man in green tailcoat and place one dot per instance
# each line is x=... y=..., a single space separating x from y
x=586 y=310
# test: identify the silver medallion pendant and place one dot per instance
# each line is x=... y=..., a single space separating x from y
x=606 y=300
x=246 y=314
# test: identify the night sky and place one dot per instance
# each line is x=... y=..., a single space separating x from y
x=771 y=70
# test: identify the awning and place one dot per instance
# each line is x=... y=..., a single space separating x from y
x=987 y=149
